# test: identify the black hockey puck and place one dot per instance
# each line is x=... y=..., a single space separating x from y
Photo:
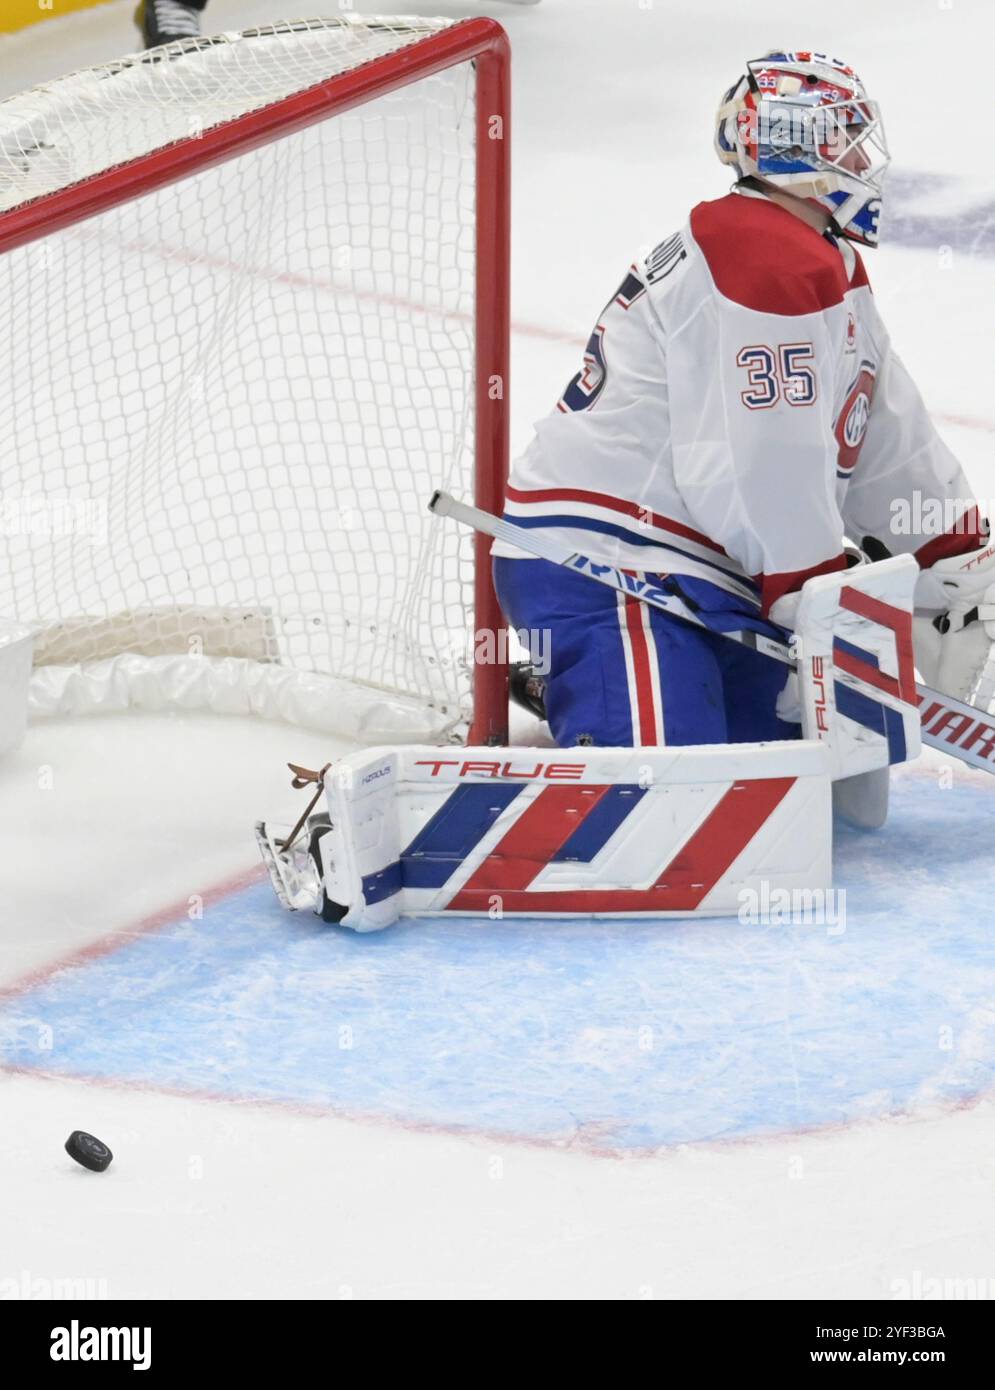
x=89 y=1151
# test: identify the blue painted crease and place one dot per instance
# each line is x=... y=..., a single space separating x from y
x=629 y=1035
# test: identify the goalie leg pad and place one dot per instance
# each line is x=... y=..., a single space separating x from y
x=863 y=800
x=671 y=832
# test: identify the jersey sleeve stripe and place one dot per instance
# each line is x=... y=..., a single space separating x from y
x=967 y=533
x=775 y=586
x=638 y=537
x=616 y=504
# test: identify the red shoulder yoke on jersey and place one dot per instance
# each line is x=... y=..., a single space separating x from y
x=763 y=257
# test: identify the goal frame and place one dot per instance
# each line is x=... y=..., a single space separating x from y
x=484 y=44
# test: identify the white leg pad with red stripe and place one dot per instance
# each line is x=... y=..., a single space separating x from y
x=602 y=832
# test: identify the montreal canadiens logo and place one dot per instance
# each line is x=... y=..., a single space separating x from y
x=851 y=423
x=856 y=420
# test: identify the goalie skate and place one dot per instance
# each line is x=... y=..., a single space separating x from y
x=292 y=871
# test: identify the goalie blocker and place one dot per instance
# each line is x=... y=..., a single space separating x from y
x=673 y=831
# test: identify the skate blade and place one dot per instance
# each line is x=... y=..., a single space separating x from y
x=273 y=866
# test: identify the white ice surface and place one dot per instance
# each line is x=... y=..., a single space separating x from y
x=212 y=1200
x=108 y=821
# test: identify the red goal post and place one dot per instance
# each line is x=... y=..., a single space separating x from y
x=480 y=44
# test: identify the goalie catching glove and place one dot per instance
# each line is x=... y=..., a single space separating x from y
x=954 y=627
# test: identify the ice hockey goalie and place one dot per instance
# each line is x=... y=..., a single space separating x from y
x=739 y=412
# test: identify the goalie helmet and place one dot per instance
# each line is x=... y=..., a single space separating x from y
x=802 y=122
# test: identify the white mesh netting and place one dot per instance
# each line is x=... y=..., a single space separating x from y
x=228 y=400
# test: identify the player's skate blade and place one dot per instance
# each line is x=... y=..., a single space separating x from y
x=291 y=874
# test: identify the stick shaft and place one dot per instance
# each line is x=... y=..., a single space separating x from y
x=546 y=547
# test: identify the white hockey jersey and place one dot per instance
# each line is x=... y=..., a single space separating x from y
x=739 y=410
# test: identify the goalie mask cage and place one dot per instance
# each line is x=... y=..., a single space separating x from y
x=255 y=297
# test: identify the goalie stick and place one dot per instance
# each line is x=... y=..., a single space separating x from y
x=983 y=693
x=962 y=730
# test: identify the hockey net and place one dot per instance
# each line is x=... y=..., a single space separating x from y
x=255 y=311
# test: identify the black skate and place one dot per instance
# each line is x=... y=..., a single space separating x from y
x=527 y=689
x=166 y=21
